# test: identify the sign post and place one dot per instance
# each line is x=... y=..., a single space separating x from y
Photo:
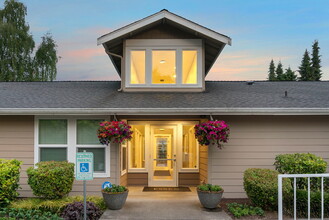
x=84 y=171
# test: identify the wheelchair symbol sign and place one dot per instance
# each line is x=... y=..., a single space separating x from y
x=84 y=167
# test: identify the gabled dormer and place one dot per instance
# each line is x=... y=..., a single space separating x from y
x=163 y=52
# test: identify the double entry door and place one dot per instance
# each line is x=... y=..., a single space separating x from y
x=163 y=163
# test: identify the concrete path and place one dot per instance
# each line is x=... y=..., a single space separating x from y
x=163 y=205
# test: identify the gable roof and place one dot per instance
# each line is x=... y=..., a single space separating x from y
x=225 y=98
x=214 y=42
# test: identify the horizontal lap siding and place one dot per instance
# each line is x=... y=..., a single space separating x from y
x=203 y=164
x=17 y=142
x=256 y=140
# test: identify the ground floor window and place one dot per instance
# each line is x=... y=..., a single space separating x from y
x=61 y=138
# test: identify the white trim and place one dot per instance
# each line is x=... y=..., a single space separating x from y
x=71 y=145
x=163 y=111
x=158 y=16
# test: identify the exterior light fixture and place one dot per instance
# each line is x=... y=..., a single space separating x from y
x=162 y=61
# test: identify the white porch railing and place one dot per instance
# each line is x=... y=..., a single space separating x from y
x=308 y=176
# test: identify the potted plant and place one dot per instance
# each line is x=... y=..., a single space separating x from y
x=210 y=195
x=115 y=196
x=114 y=131
x=212 y=133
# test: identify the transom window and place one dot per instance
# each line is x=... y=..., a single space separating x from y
x=163 y=63
x=61 y=139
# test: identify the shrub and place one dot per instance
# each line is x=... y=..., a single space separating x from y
x=51 y=179
x=9 y=178
x=54 y=206
x=261 y=186
x=115 y=189
x=239 y=210
x=301 y=163
x=302 y=202
x=210 y=188
x=75 y=211
x=10 y=213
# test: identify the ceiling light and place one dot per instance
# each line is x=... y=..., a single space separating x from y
x=174 y=76
x=162 y=61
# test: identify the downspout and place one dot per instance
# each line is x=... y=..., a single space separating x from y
x=121 y=58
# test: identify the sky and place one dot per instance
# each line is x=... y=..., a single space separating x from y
x=261 y=30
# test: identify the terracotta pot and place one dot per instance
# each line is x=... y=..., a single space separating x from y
x=210 y=200
x=115 y=201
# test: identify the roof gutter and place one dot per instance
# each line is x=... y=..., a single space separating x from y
x=164 y=111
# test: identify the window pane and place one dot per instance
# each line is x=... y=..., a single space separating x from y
x=87 y=131
x=137 y=67
x=190 y=67
x=190 y=150
x=124 y=158
x=58 y=154
x=99 y=158
x=137 y=147
x=163 y=67
x=52 y=131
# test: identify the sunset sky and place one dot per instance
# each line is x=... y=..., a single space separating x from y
x=260 y=31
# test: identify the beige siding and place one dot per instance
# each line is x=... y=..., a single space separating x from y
x=17 y=141
x=256 y=140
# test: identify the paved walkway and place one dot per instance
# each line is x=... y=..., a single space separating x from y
x=163 y=205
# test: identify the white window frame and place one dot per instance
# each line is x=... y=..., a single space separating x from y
x=123 y=171
x=71 y=146
x=178 y=45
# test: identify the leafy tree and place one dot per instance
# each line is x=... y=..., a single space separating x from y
x=289 y=75
x=305 y=69
x=316 y=62
x=279 y=72
x=271 y=71
x=17 y=45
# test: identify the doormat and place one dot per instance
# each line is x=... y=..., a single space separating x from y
x=166 y=189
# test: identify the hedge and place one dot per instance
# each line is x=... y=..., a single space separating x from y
x=261 y=186
x=51 y=179
x=9 y=178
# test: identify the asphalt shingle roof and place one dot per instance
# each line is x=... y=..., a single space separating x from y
x=104 y=94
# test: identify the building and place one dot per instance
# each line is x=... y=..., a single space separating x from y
x=162 y=61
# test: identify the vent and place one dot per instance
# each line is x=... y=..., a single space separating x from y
x=250 y=82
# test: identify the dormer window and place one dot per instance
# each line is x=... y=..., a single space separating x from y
x=163 y=63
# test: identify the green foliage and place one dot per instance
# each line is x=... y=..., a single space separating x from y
x=75 y=211
x=210 y=188
x=240 y=210
x=115 y=189
x=261 y=186
x=54 y=206
x=289 y=75
x=12 y=213
x=305 y=69
x=9 y=178
x=302 y=204
x=271 y=71
x=316 y=61
x=51 y=179
x=17 y=45
x=301 y=163
x=279 y=72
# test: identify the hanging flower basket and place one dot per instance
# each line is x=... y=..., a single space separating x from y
x=114 y=131
x=212 y=132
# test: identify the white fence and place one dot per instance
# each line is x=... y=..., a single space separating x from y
x=308 y=176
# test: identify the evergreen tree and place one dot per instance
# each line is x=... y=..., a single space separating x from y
x=17 y=44
x=305 y=69
x=316 y=62
x=271 y=71
x=279 y=72
x=289 y=75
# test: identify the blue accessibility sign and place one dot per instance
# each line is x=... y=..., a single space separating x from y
x=107 y=184
x=84 y=167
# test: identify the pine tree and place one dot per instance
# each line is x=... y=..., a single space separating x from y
x=316 y=62
x=279 y=72
x=271 y=71
x=305 y=69
x=17 y=44
x=289 y=75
